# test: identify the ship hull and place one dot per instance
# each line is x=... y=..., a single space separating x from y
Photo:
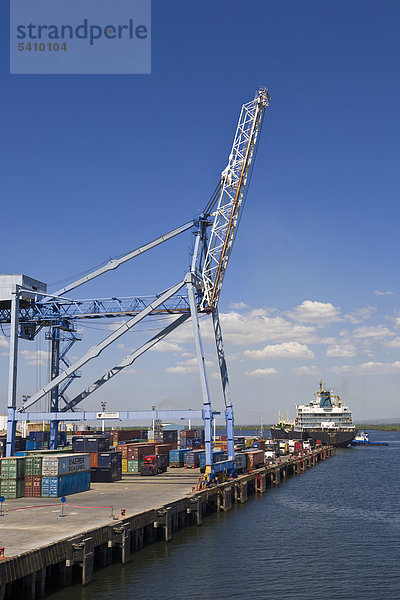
x=278 y=433
x=339 y=439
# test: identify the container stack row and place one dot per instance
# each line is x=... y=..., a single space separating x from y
x=50 y=476
x=105 y=461
x=133 y=454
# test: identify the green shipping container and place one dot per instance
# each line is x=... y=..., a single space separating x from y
x=13 y=467
x=33 y=465
x=134 y=465
x=12 y=488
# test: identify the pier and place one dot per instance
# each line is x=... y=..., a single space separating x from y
x=44 y=550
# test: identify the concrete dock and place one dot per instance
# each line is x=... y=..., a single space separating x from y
x=45 y=551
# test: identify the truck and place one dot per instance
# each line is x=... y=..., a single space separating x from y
x=154 y=464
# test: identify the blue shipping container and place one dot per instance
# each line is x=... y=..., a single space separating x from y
x=176 y=458
x=65 y=485
x=192 y=458
x=218 y=455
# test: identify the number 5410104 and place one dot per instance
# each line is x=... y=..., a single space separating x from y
x=42 y=47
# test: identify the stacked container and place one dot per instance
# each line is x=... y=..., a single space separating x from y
x=33 y=476
x=177 y=458
x=65 y=474
x=12 y=477
x=192 y=458
x=133 y=455
x=109 y=467
x=255 y=459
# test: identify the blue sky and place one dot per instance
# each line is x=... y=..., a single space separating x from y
x=93 y=166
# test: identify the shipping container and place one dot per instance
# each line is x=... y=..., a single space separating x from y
x=255 y=459
x=33 y=465
x=240 y=461
x=90 y=443
x=194 y=443
x=177 y=458
x=170 y=435
x=13 y=467
x=65 y=485
x=33 y=486
x=12 y=488
x=134 y=465
x=64 y=464
x=192 y=458
x=106 y=459
x=218 y=455
x=186 y=434
x=105 y=475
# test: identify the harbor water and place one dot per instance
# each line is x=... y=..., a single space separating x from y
x=330 y=533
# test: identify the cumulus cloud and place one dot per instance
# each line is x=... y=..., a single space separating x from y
x=164 y=346
x=311 y=370
x=359 y=315
x=312 y=311
x=267 y=372
x=187 y=366
x=368 y=368
x=238 y=305
x=38 y=357
x=284 y=350
x=377 y=332
x=258 y=326
x=3 y=343
x=379 y=293
x=341 y=351
x=395 y=343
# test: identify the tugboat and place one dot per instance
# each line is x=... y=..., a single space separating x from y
x=362 y=439
x=325 y=419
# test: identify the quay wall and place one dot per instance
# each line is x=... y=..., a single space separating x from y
x=43 y=570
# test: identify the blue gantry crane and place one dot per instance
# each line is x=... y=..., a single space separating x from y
x=26 y=305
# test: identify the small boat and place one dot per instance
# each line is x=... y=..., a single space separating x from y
x=362 y=439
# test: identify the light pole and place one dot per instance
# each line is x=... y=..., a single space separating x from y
x=103 y=408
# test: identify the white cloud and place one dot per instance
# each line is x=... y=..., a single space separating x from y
x=3 y=343
x=284 y=350
x=258 y=326
x=187 y=366
x=311 y=370
x=238 y=305
x=368 y=368
x=128 y=371
x=379 y=293
x=312 y=311
x=341 y=351
x=395 y=343
x=361 y=314
x=377 y=332
x=262 y=372
x=164 y=346
x=38 y=357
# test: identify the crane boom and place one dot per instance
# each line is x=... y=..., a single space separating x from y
x=231 y=194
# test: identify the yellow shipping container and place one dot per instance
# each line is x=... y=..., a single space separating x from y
x=124 y=465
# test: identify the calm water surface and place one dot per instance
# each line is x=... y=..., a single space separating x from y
x=331 y=533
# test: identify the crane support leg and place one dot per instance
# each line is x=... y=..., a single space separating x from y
x=12 y=379
x=207 y=411
x=55 y=371
x=225 y=384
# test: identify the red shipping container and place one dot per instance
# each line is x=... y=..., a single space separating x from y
x=255 y=459
x=187 y=433
x=33 y=486
x=93 y=459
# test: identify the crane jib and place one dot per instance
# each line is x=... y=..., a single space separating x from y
x=233 y=184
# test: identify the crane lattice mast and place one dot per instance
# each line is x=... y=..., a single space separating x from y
x=230 y=200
